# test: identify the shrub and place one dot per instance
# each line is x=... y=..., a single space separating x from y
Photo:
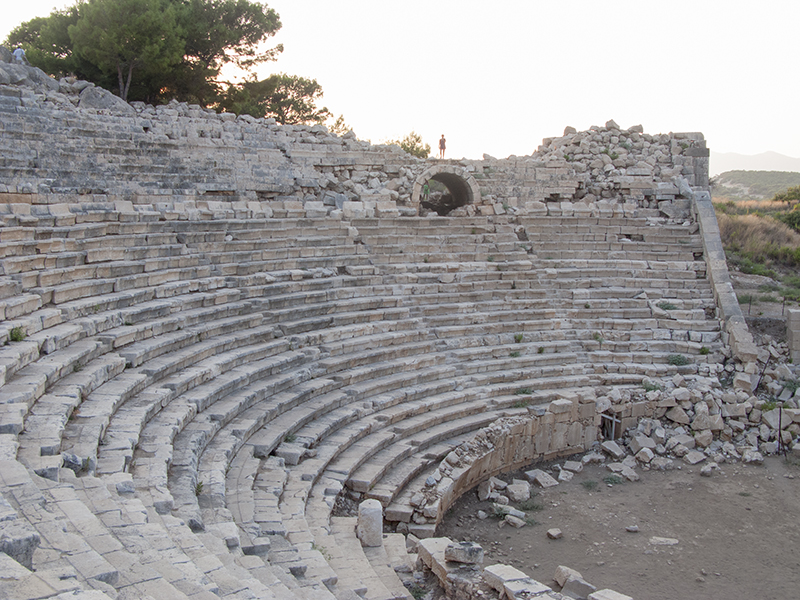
x=677 y=360
x=17 y=334
x=666 y=306
x=704 y=351
x=651 y=386
x=518 y=338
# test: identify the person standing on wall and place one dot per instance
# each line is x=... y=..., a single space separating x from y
x=442 y=146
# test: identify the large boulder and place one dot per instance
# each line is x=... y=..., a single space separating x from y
x=95 y=97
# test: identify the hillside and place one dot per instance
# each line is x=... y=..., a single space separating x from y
x=752 y=185
x=766 y=161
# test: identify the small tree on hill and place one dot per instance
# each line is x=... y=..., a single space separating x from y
x=789 y=196
x=412 y=144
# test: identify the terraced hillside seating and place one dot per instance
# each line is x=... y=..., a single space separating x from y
x=192 y=404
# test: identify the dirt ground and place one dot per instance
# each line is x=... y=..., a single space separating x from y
x=738 y=532
x=762 y=317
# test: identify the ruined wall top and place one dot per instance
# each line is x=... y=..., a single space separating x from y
x=71 y=143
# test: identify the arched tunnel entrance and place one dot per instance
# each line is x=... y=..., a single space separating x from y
x=444 y=188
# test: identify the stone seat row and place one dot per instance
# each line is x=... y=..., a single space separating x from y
x=330 y=367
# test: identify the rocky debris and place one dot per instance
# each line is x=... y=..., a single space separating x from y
x=541 y=478
x=555 y=534
x=464 y=552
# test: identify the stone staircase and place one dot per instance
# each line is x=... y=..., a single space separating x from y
x=182 y=403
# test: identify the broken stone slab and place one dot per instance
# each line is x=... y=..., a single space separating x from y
x=514 y=521
x=663 y=541
x=518 y=492
x=577 y=588
x=777 y=417
x=629 y=474
x=565 y=475
x=611 y=448
x=661 y=463
x=504 y=509
x=752 y=457
x=540 y=478
x=708 y=469
x=431 y=553
x=496 y=576
x=563 y=573
x=639 y=442
x=678 y=415
x=573 y=465
x=645 y=455
x=464 y=552
x=522 y=589
x=555 y=533
x=608 y=595
x=694 y=457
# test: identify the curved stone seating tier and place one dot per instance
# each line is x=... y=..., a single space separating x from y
x=202 y=392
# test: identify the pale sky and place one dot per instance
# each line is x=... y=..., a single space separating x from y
x=497 y=77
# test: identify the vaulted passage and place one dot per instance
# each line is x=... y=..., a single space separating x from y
x=444 y=188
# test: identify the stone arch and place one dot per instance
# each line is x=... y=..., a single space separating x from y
x=461 y=184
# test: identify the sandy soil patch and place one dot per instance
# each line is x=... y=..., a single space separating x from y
x=738 y=532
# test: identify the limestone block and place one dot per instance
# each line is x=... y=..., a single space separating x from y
x=611 y=448
x=563 y=574
x=540 y=478
x=519 y=492
x=464 y=552
x=496 y=576
x=608 y=595
x=522 y=589
x=678 y=415
x=370 y=523
x=640 y=441
x=576 y=587
x=777 y=417
x=431 y=553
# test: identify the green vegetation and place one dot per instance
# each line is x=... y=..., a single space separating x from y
x=540 y=350
x=789 y=196
x=514 y=354
x=752 y=185
x=613 y=479
x=288 y=99
x=651 y=386
x=17 y=334
x=523 y=392
x=589 y=485
x=666 y=306
x=530 y=505
x=413 y=144
x=158 y=50
x=677 y=360
x=198 y=488
x=290 y=438
x=704 y=351
x=521 y=404
x=518 y=338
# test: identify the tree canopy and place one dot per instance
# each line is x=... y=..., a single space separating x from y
x=789 y=196
x=412 y=143
x=152 y=50
x=286 y=98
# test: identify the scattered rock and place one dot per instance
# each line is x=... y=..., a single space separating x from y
x=554 y=534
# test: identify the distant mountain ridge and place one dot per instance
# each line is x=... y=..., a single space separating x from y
x=766 y=161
